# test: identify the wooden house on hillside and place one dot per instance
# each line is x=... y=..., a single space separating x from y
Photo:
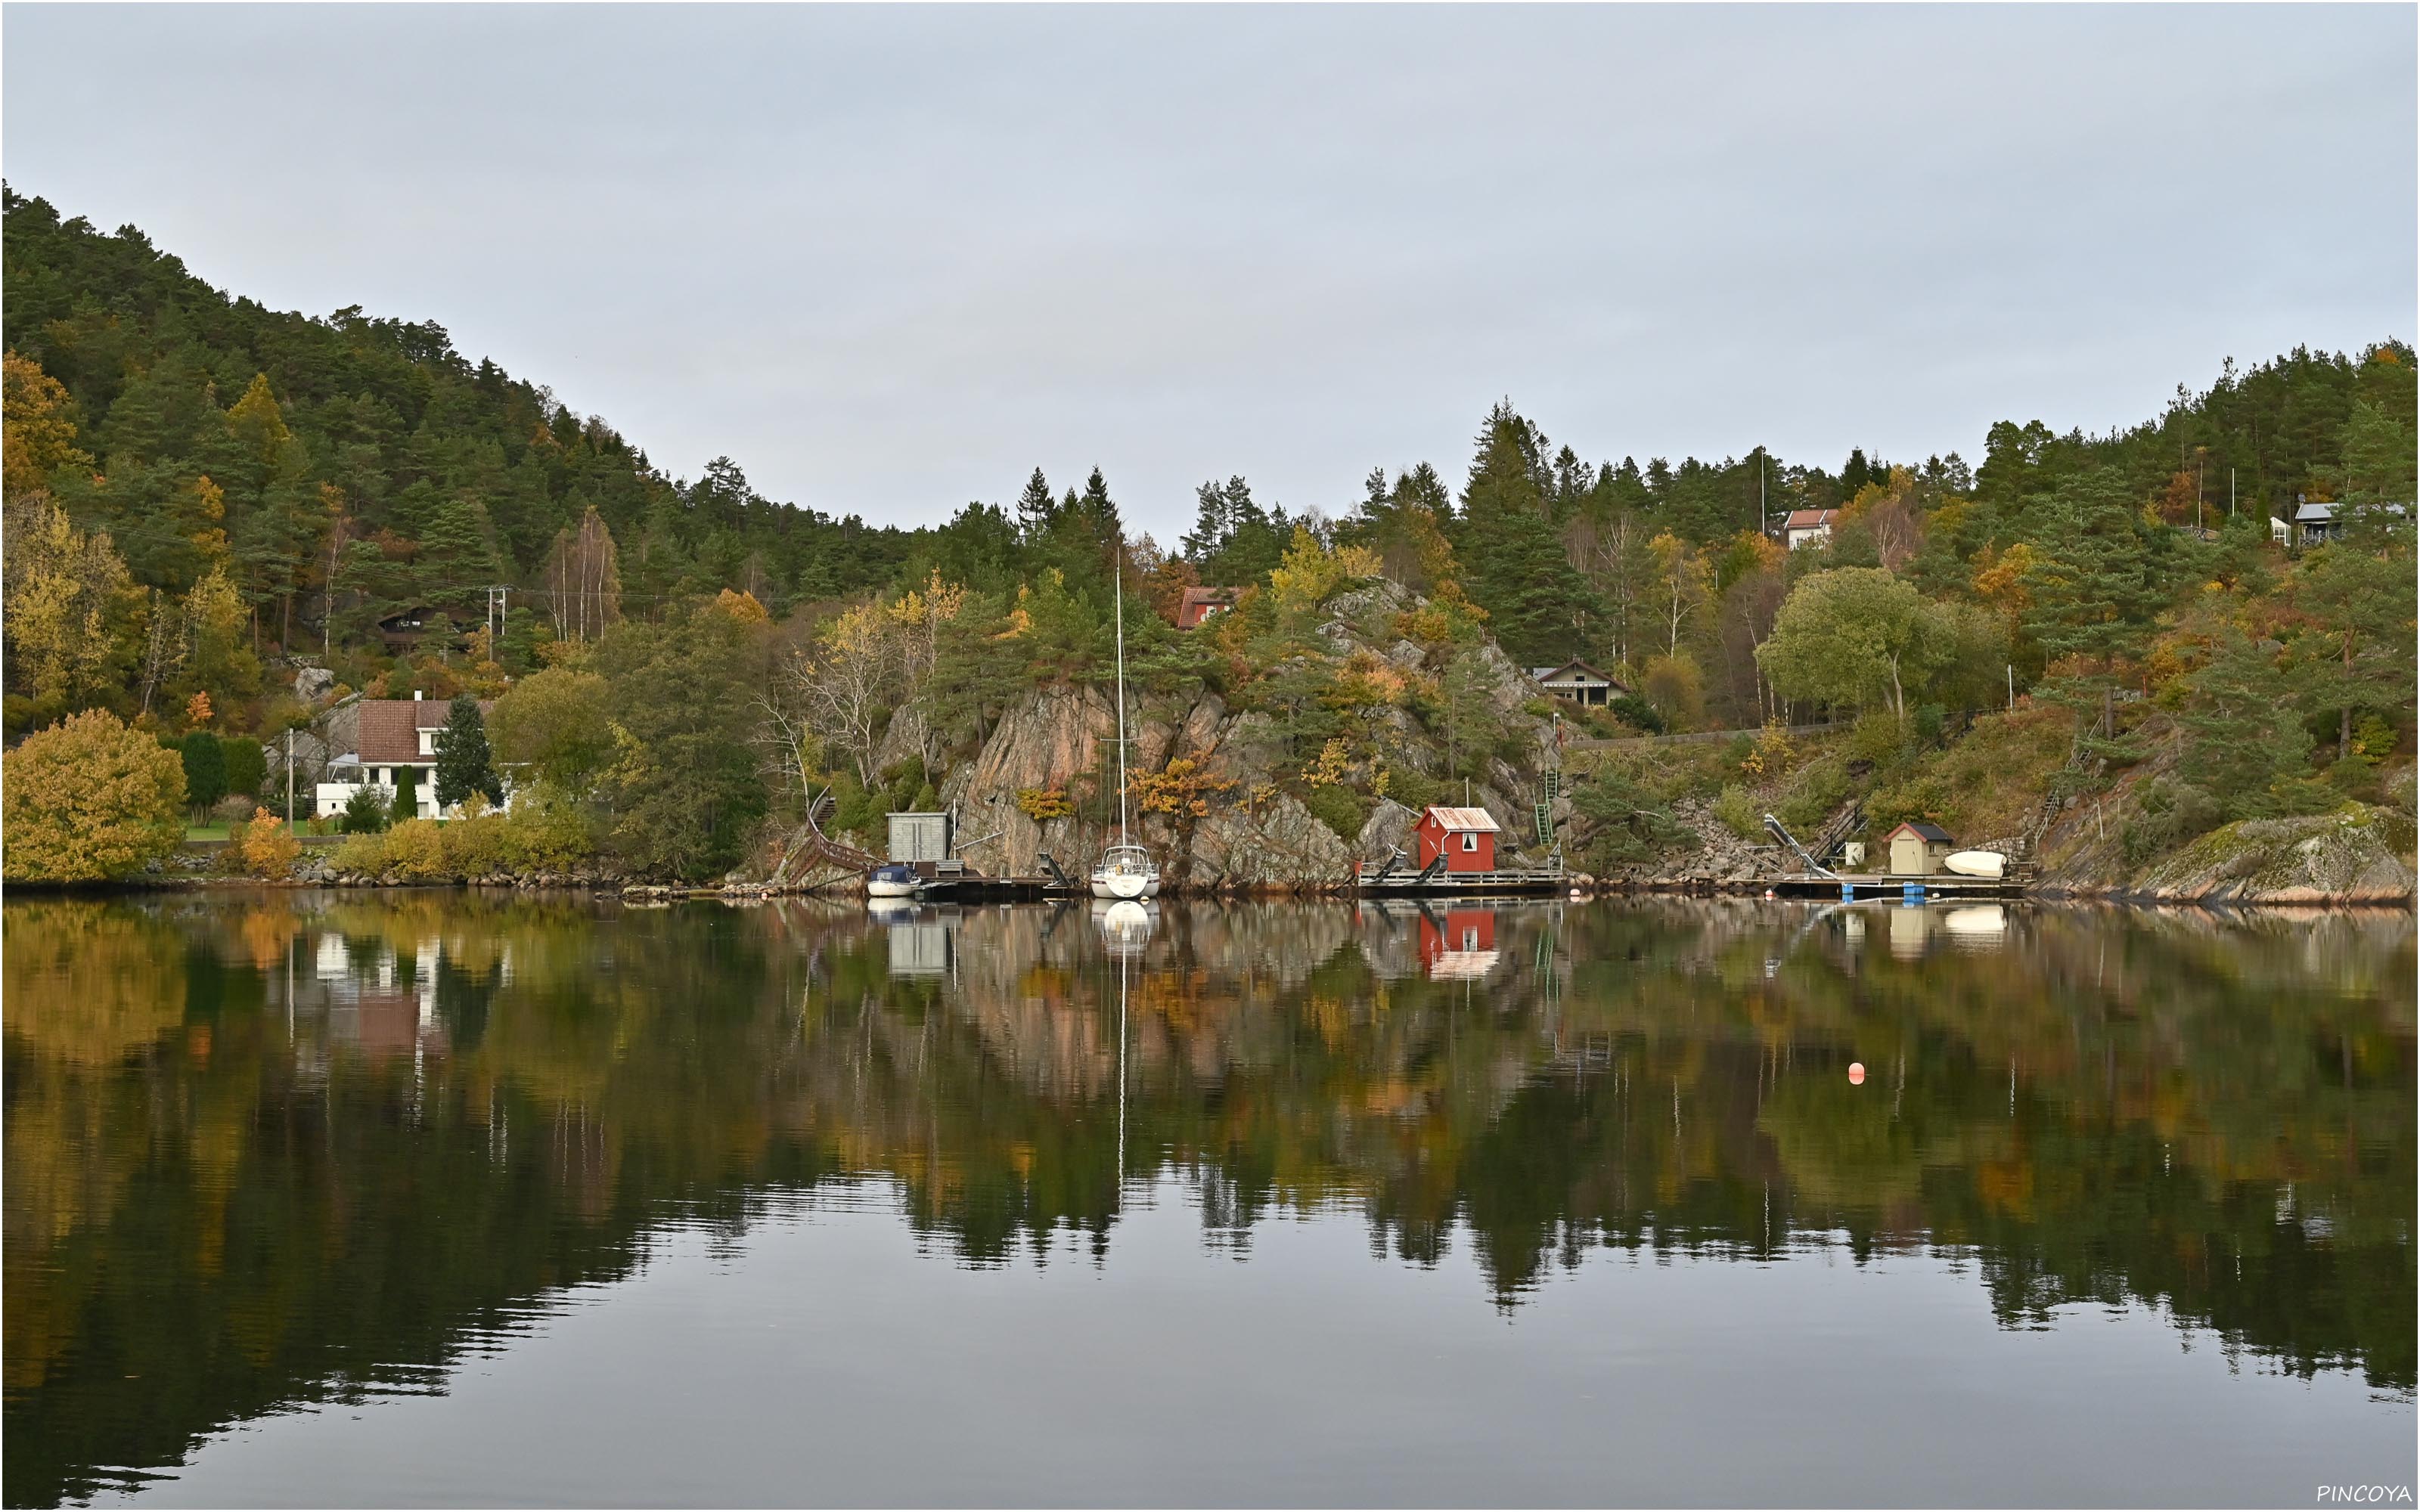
x=1199 y=604
x=1808 y=526
x=1579 y=683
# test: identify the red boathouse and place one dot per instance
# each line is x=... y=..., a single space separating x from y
x=1465 y=837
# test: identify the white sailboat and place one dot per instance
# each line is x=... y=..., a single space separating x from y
x=1127 y=870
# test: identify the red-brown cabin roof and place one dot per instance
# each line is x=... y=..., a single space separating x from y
x=1458 y=820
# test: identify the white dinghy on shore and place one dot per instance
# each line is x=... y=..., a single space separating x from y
x=1988 y=864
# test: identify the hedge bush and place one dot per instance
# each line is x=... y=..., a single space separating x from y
x=1636 y=713
x=540 y=833
x=1341 y=809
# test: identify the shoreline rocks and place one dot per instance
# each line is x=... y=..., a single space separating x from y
x=2357 y=854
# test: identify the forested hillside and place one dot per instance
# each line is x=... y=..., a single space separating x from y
x=205 y=495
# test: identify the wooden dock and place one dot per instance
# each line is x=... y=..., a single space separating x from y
x=1404 y=881
x=973 y=887
x=1938 y=886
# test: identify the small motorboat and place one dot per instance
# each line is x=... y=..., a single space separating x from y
x=892 y=879
x=1990 y=865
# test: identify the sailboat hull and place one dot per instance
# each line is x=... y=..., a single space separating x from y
x=1128 y=887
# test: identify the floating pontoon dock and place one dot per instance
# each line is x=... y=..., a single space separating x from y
x=1943 y=887
x=1436 y=881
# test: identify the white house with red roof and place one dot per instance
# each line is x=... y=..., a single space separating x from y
x=1808 y=526
x=395 y=749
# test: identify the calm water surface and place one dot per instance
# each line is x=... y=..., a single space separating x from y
x=340 y=1199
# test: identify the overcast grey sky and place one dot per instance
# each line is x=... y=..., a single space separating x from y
x=890 y=259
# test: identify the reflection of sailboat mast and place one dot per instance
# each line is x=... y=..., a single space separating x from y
x=1122 y=1081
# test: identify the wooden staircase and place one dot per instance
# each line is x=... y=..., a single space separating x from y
x=812 y=847
x=1836 y=831
x=2025 y=866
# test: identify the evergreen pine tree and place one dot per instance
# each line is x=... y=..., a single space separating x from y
x=363 y=814
x=245 y=765
x=463 y=764
x=1212 y=526
x=1519 y=571
x=205 y=762
x=2092 y=583
x=1036 y=511
x=457 y=553
x=1855 y=474
x=1249 y=540
x=1098 y=512
x=2249 y=747
x=2355 y=649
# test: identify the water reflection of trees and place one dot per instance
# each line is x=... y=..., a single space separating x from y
x=306 y=1144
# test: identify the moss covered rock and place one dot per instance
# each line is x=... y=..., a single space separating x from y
x=2356 y=855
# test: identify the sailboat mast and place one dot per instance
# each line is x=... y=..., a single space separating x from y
x=1118 y=588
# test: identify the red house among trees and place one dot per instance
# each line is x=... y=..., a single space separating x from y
x=1465 y=837
x=1199 y=604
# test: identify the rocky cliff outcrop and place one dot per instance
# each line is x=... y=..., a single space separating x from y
x=1273 y=845
x=1388 y=830
x=1257 y=833
x=2360 y=855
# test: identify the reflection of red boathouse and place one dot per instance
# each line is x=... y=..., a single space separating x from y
x=1462 y=943
x=1454 y=851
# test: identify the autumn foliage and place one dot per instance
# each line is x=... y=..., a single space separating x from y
x=1184 y=788
x=1044 y=804
x=266 y=846
x=90 y=799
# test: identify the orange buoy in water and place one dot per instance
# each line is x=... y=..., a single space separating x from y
x=1856 y=1074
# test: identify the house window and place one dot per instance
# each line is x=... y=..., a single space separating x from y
x=1469 y=842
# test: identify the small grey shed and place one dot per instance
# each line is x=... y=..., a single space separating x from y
x=919 y=837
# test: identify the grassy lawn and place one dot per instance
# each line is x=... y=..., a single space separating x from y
x=215 y=833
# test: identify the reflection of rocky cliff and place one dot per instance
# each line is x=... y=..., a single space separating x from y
x=500 y=1098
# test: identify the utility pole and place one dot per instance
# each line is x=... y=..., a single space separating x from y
x=2012 y=685
x=1763 y=525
